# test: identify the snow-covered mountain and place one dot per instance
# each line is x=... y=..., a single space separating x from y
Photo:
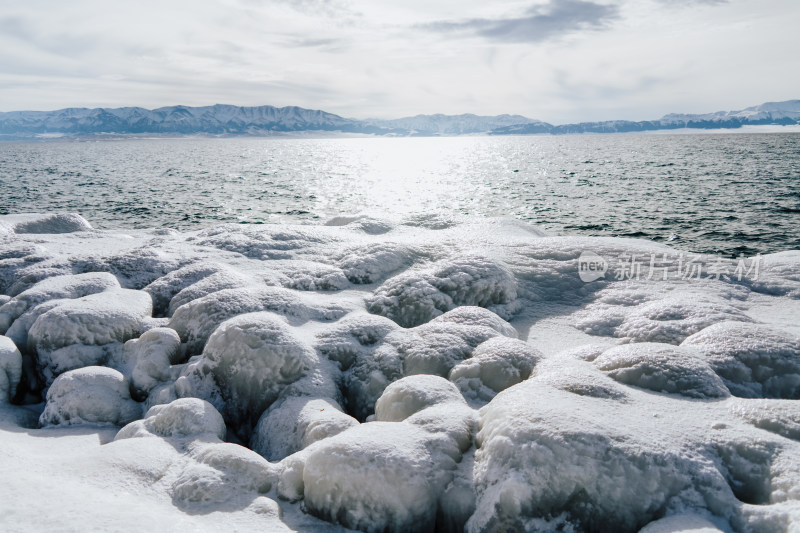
x=264 y=120
x=787 y=112
x=216 y=119
x=439 y=124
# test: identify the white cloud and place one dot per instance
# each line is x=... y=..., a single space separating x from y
x=557 y=60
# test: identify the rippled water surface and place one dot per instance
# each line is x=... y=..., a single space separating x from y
x=731 y=194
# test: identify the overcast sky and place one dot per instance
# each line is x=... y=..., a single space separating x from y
x=555 y=60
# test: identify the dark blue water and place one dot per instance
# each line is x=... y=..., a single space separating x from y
x=728 y=193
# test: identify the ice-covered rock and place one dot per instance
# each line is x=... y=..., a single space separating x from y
x=469 y=315
x=667 y=320
x=373 y=262
x=578 y=377
x=353 y=337
x=754 y=361
x=297 y=422
x=494 y=366
x=49 y=223
x=58 y=287
x=184 y=417
x=375 y=477
x=662 y=368
x=777 y=416
x=389 y=476
x=410 y=395
x=222 y=470
x=10 y=369
x=683 y=523
x=80 y=332
x=196 y=320
x=252 y=358
x=151 y=356
x=90 y=395
x=417 y=296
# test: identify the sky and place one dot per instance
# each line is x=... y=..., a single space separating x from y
x=560 y=61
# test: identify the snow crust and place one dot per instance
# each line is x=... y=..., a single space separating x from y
x=432 y=373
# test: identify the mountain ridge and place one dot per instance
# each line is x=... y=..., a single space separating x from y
x=224 y=119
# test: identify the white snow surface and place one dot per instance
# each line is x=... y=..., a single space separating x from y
x=426 y=374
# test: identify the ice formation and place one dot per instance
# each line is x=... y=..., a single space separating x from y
x=426 y=374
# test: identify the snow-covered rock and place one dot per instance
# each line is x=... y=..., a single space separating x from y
x=90 y=395
x=82 y=332
x=415 y=297
x=296 y=423
x=662 y=368
x=495 y=365
x=151 y=356
x=10 y=369
x=252 y=358
x=184 y=417
x=753 y=360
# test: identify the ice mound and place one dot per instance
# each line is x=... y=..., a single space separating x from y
x=477 y=316
x=151 y=357
x=10 y=369
x=55 y=223
x=432 y=348
x=58 y=287
x=662 y=368
x=367 y=224
x=777 y=416
x=373 y=262
x=549 y=460
x=667 y=319
x=682 y=523
x=415 y=297
x=269 y=242
x=90 y=395
x=81 y=332
x=296 y=423
x=410 y=395
x=165 y=288
x=431 y=374
x=754 y=361
x=390 y=476
x=495 y=365
x=353 y=337
x=185 y=417
x=222 y=471
x=567 y=372
x=252 y=358
x=195 y=320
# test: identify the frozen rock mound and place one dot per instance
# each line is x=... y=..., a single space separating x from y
x=82 y=332
x=296 y=423
x=91 y=395
x=184 y=417
x=55 y=223
x=390 y=476
x=495 y=365
x=662 y=368
x=410 y=395
x=415 y=297
x=10 y=369
x=57 y=287
x=252 y=358
x=151 y=356
x=753 y=360
x=196 y=320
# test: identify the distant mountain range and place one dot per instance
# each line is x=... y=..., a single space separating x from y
x=266 y=120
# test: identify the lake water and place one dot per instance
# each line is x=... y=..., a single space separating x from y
x=727 y=193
